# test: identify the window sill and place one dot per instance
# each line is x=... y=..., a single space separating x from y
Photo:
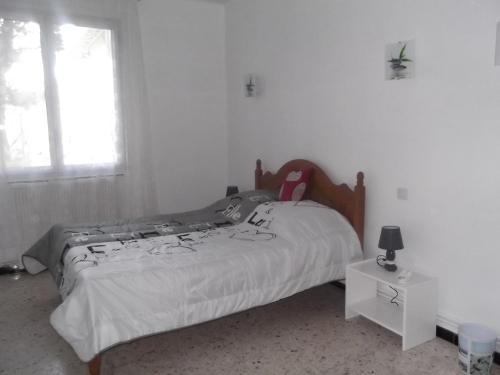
x=45 y=175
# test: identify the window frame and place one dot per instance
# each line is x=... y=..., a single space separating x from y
x=57 y=170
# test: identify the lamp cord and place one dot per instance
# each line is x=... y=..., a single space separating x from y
x=381 y=258
x=393 y=300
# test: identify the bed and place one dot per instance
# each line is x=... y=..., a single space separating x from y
x=245 y=251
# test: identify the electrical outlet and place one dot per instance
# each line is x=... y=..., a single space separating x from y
x=402 y=194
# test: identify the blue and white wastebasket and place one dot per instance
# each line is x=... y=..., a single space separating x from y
x=476 y=345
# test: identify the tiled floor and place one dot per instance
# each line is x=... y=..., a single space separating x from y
x=304 y=334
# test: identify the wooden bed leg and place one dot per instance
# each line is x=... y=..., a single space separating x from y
x=95 y=365
x=258 y=174
x=358 y=219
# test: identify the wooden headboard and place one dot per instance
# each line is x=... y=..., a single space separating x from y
x=350 y=203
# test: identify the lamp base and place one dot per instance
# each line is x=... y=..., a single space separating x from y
x=391 y=267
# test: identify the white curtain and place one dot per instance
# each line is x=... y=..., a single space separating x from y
x=30 y=205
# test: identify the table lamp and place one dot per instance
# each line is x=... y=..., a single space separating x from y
x=231 y=189
x=390 y=240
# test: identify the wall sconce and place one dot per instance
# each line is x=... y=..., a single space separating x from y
x=251 y=86
x=497 y=45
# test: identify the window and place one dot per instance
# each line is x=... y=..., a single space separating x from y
x=59 y=112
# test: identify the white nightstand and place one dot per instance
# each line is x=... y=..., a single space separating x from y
x=414 y=319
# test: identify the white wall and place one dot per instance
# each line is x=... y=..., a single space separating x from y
x=325 y=99
x=184 y=55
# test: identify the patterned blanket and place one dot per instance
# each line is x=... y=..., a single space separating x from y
x=49 y=251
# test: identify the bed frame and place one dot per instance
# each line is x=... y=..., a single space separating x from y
x=350 y=203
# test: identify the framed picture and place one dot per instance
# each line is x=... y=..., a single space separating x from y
x=400 y=60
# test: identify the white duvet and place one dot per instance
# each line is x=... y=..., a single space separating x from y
x=137 y=288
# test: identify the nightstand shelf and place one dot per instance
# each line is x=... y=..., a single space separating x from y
x=414 y=319
x=379 y=311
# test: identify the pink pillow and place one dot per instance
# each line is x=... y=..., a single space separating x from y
x=295 y=185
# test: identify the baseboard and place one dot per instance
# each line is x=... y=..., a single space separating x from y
x=447 y=335
x=9 y=269
x=446 y=329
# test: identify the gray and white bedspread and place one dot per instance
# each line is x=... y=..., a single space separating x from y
x=150 y=285
x=50 y=250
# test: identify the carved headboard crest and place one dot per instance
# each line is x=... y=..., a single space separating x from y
x=349 y=202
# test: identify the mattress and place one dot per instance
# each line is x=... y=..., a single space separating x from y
x=153 y=285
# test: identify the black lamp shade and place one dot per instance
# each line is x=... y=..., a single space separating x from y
x=390 y=238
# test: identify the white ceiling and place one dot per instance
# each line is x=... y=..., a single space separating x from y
x=211 y=1
x=217 y=1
